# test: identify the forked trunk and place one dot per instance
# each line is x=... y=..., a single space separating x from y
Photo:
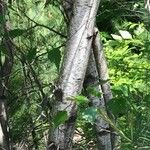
x=95 y=71
x=73 y=71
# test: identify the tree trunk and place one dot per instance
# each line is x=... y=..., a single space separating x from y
x=102 y=127
x=4 y=137
x=102 y=69
x=93 y=77
x=74 y=68
x=5 y=70
x=147 y=5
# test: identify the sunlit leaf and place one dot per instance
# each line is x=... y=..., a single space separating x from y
x=81 y=99
x=116 y=37
x=125 y=34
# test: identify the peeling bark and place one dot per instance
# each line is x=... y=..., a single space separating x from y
x=74 y=68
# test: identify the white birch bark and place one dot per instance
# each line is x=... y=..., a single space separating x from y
x=92 y=78
x=74 y=67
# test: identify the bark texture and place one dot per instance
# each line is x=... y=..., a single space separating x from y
x=102 y=69
x=147 y=5
x=74 y=68
x=102 y=127
x=5 y=70
x=93 y=78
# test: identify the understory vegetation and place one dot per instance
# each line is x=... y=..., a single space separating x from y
x=38 y=30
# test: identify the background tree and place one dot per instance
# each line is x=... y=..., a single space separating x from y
x=6 y=64
x=39 y=33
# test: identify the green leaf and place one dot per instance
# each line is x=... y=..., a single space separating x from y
x=93 y=91
x=3 y=50
x=116 y=37
x=118 y=106
x=125 y=90
x=31 y=54
x=147 y=97
x=15 y=33
x=125 y=34
x=47 y=2
x=1 y=18
x=55 y=56
x=60 y=118
x=90 y=114
x=81 y=99
x=121 y=90
x=147 y=100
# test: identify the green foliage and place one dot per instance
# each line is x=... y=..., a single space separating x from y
x=36 y=64
x=81 y=100
x=129 y=67
x=31 y=54
x=15 y=33
x=91 y=90
x=118 y=107
x=89 y=115
x=60 y=118
x=36 y=29
x=55 y=56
